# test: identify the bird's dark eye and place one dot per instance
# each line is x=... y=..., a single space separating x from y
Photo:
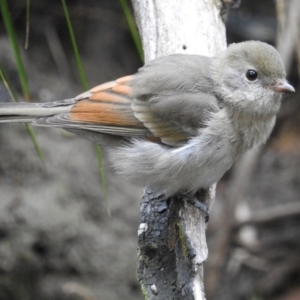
x=251 y=75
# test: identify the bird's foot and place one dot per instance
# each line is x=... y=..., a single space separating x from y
x=193 y=199
x=154 y=195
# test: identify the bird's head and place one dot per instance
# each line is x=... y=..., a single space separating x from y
x=250 y=76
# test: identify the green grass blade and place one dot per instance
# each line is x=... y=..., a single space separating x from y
x=75 y=48
x=35 y=143
x=27 y=23
x=14 y=43
x=85 y=86
x=132 y=27
x=103 y=180
x=21 y=71
x=27 y=126
x=8 y=85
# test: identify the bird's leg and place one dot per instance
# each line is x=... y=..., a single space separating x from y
x=154 y=195
x=159 y=201
x=195 y=199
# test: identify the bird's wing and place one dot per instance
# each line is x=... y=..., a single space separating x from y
x=174 y=96
x=157 y=103
x=105 y=109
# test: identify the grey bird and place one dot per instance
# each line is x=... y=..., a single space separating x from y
x=180 y=122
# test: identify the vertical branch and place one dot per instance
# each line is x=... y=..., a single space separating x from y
x=288 y=14
x=191 y=27
x=172 y=243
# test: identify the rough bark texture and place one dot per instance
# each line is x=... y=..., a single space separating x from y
x=172 y=244
x=172 y=248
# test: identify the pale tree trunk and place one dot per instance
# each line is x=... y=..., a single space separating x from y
x=172 y=241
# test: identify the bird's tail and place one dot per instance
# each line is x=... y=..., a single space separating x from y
x=28 y=112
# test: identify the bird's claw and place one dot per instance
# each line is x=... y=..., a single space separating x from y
x=199 y=204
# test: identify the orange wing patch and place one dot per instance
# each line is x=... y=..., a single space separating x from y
x=111 y=84
x=122 y=89
x=103 y=86
x=109 y=97
x=107 y=104
x=104 y=113
x=124 y=80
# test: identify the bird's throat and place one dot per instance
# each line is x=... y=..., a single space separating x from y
x=252 y=129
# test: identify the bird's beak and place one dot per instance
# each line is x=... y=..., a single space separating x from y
x=282 y=86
